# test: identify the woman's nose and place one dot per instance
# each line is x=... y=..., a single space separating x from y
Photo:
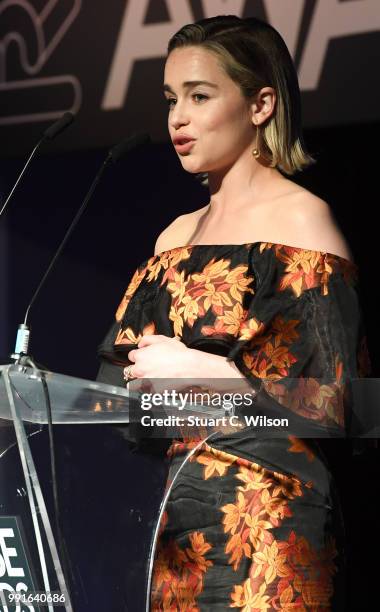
x=179 y=116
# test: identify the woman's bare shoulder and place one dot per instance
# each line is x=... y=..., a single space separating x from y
x=309 y=222
x=178 y=231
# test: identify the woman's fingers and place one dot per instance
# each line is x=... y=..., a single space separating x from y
x=132 y=355
x=158 y=356
x=152 y=339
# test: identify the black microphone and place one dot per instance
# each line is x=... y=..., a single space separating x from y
x=123 y=147
x=58 y=126
x=114 y=154
x=50 y=133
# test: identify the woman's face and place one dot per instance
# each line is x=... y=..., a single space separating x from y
x=215 y=114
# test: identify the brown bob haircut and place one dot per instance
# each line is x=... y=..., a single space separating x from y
x=254 y=55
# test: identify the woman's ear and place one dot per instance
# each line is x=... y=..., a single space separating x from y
x=263 y=106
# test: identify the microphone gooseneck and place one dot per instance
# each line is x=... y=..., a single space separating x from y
x=50 y=133
x=114 y=154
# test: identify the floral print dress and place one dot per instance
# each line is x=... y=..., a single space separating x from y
x=251 y=524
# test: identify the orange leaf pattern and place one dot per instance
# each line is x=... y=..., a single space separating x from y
x=133 y=285
x=268 y=355
x=306 y=268
x=312 y=399
x=215 y=462
x=127 y=335
x=279 y=582
x=218 y=289
x=253 y=551
x=178 y=574
x=261 y=504
x=250 y=524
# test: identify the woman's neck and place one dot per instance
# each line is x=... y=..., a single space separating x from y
x=233 y=188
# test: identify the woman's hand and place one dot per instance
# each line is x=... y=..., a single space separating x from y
x=162 y=357
x=159 y=356
x=165 y=357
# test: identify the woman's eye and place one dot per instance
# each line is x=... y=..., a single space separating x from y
x=202 y=96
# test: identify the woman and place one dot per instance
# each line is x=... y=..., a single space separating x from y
x=258 y=286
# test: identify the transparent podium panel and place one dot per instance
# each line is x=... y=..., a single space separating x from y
x=109 y=492
x=74 y=400
x=111 y=474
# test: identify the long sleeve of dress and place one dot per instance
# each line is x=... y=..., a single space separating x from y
x=303 y=340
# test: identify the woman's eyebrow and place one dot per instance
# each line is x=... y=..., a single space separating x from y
x=188 y=84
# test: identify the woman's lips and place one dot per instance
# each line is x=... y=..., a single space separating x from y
x=184 y=148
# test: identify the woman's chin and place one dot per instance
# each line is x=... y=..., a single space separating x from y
x=192 y=166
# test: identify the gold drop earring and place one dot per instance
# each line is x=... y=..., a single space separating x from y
x=256 y=150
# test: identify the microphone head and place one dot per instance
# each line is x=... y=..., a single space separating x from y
x=58 y=126
x=127 y=145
